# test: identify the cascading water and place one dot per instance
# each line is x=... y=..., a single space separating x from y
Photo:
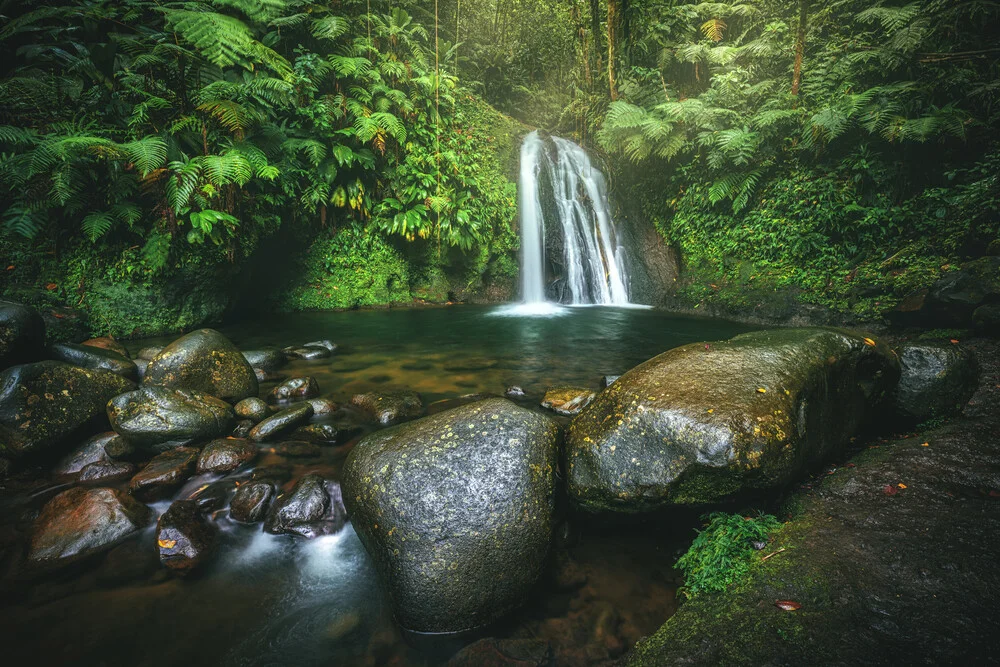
x=593 y=260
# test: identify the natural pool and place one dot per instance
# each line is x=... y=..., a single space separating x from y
x=283 y=600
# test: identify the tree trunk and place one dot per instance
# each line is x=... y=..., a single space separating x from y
x=614 y=15
x=800 y=46
x=595 y=30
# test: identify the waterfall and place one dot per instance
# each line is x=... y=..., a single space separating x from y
x=592 y=260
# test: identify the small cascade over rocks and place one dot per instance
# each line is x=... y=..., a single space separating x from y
x=562 y=193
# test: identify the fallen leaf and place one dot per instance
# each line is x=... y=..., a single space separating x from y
x=787 y=605
x=167 y=544
x=925 y=444
x=901 y=485
x=10 y=268
x=51 y=286
x=954 y=341
x=889 y=490
x=710 y=411
x=851 y=465
x=869 y=342
x=761 y=390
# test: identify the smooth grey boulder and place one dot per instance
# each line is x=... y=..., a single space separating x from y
x=457 y=511
x=203 y=361
x=936 y=380
x=253 y=408
x=91 y=451
x=312 y=508
x=157 y=416
x=165 y=472
x=96 y=358
x=267 y=359
x=707 y=421
x=226 y=455
x=295 y=389
x=106 y=472
x=282 y=422
x=390 y=407
x=22 y=334
x=251 y=501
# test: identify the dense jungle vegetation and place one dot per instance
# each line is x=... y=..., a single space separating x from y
x=161 y=159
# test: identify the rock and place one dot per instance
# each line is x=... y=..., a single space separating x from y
x=82 y=521
x=164 y=472
x=95 y=358
x=986 y=320
x=314 y=507
x=297 y=449
x=390 y=407
x=456 y=510
x=140 y=367
x=251 y=501
x=119 y=448
x=243 y=428
x=457 y=401
x=269 y=359
x=157 y=416
x=327 y=434
x=184 y=538
x=203 y=361
x=936 y=380
x=515 y=392
x=149 y=353
x=492 y=652
x=212 y=497
x=106 y=472
x=704 y=422
x=953 y=298
x=47 y=404
x=282 y=422
x=608 y=380
x=325 y=344
x=295 y=389
x=108 y=343
x=22 y=334
x=567 y=401
x=323 y=406
x=252 y=408
x=226 y=455
x=91 y=451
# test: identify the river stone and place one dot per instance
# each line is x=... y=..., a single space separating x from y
x=390 y=407
x=986 y=320
x=165 y=472
x=307 y=353
x=703 y=422
x=82 y=521
x=281 y=422
x=22 y=334
x=204 y=361
x=184 y=538
x=252 y=408
x=297 y=449
x=106 y=472
x=226 y=455
x=149 y=353
x=325 y=434
x=251 y=501
x=243 y=428
x=157 y=416
x=312 y=508
x=268 y=359
x=91 y=451
x=49 y=403
x=608 y=380
x=567 y=401
x=95 y=358
x=456 y=510
x=295 y=389
x=937 y=380
x=107 y=343
x=515 y=392
x=326 y=344
x=213 y=496
x=323 y=406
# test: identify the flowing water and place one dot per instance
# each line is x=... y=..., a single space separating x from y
x=282 y=600
x=593 y=262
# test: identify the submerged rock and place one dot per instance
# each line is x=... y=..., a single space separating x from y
x=297 y=449
x=252 y=408
x=149 y=353
x=312 y=508
x=107 y=343
x=270 y=359
x=457 y=511
x=937 y=380
x=703 y=422
x=152 y=416
x=164 y=472
x=308 y=353
x=226 y=455
x=492 y=652
x=243 y=428
x=95 y=358
x=82 y=521
x=515 y=392
x=46 y=404
x=203 y=361
x=390 y=407
x=185 y=540
x=323 y=406
x=326 y=434
x=251 y=501
x=567 y=401
x=22 y=334
x=282 y=422
x=325 y=344
x=295 y=389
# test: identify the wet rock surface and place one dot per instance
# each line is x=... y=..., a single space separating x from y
x=164 y=472
x=185 y=540
x=270 y=359
x=253 y=408
x=91 y=451
x=107 y=343
x=106 y=472
x=157 y=416
x=22 y=334
x=936 y=380
x=295 y=389
x=250 y=503
x=204 y=361
x=567 y=401
x=390 y=407
x=281 y=423
x=226 y=455
x=456 y=509
x=707 y=421
x=312 y=508
x=95 y=358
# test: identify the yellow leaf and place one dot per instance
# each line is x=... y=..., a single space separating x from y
x=710 y=411
x=167 y=544
x=925 y=444
x=869 y=342
x=761 y=390
x=901 y=485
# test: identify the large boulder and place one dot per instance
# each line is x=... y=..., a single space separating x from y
x=953 y=299
x=82 y=521
x=457 y=511
x=49 y=403
x=706 y=421
x=937 y=380
x=96 y=358
x=204 y=361
x=22 y=334
x=156 y=416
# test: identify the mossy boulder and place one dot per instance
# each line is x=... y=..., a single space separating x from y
x=707 y=421
x=937 y=380
x=457 y=510
x=22 y=334
x=203 y=361
x=157 y=416
x=88 y=356
x=47 y=404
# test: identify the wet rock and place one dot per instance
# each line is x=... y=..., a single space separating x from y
x=149 y=353
x=323 y=406
x=295 y=389
x=164 y=473
x=91 y=451
x=107 y=343
x=106 y=472
x=326 y=434
x=312 y=508
x=48 y=404
x=390 y=407
x=277 y=474
x=515 y=392
x=157 y=416
x=82 y=521
x=252 y=408
x=608 y=380
x=325 y=344
x=986 y=320
x=203 y=361
x=458 y=401
x=184 y=538
x=22 y=334
x=297 y=449
x=140 y=367
x=492 y=652
x=307 y=353
x=567 y=401
x=704 y=422
x=281 y=423
x=212 y=497
x=936 y=380
x=126 y=563
x=457 y=511
x=952 y=300
x=268 y=376
x=95 y=358
x=251 y=501
x=243 y=428
x=269 y=359
x=119 y=448
x=226 y=455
